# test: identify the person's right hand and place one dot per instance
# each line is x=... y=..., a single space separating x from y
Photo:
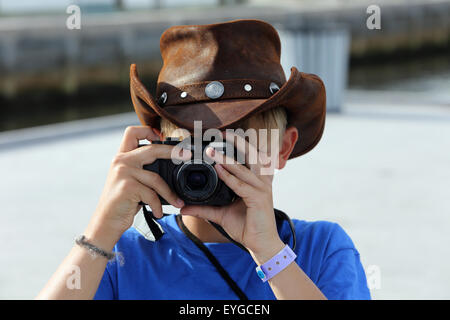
x=128 y=183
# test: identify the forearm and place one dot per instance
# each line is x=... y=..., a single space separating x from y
x=80 y=273
x=291 y=283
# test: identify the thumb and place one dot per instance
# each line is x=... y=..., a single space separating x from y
x=210 y=213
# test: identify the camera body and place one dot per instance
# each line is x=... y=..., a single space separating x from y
x=194 y=181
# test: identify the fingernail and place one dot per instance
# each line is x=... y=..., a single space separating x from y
x=180 y=202
x=211 y=151
x=185 y=153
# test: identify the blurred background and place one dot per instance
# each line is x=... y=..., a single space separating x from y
x=381 y=170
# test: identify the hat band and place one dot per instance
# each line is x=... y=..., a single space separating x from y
x=215 y=90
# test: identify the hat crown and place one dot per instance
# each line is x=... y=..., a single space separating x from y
x=238 y=49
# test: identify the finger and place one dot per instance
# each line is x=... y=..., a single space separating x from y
x=210 y=213
x=154 y=181
x=150 y=197
x=132 y=136
x=253 y=156
x=260 y=162
x=240 y=171
x=240 y=187
x=149 y=153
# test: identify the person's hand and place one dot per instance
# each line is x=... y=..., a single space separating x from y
x=249 y=220
x=128 y=183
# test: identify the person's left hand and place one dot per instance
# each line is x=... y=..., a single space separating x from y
x=250 y=219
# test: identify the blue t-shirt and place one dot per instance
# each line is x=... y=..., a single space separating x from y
x=174 y=268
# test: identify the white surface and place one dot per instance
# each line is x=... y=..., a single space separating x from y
x=384 y=176
x=386 y=181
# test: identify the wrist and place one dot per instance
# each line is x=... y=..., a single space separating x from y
x=266 y=252
x=99 y=235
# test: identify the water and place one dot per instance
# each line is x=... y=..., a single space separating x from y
x=429 y=76
x=32 y=6
x=14 y=6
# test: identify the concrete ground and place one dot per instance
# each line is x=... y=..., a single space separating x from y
x=381 y=170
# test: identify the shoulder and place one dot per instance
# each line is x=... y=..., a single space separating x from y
x=326 y=231
x=135 y=246
x=140 y=232
x=128 y=247
x=130 y=237
x=322 y=231
x=318 y=240
x=329 y=257
x=139 y=240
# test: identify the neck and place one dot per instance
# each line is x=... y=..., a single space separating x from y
x=203 y=230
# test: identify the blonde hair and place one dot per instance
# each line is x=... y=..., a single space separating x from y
x=274 y=118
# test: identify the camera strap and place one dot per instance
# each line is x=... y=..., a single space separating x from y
x=280 y=216
x=150 y=219
x=233 y=285
x=226 y=235
x=158 y=233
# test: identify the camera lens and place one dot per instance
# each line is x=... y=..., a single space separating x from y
x=196 y=180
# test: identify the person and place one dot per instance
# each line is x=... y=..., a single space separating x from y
x=228 y=75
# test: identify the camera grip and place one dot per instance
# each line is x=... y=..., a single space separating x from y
x=156 y=168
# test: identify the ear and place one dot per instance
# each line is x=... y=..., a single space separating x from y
x=288 y=142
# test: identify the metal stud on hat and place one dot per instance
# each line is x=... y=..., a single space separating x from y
x=163 y=98
x=273 y=87
x=214 y=89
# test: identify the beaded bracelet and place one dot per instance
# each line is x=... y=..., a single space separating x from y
x=82 y=242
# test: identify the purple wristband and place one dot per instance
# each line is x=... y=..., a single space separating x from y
x=278 y=262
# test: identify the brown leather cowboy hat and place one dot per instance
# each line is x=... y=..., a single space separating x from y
x=222 y=73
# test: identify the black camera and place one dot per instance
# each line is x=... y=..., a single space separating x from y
x=194 y=181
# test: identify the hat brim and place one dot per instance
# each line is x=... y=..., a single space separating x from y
x=303 y=96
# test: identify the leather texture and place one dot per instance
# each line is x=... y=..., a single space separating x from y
x=236 y=53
